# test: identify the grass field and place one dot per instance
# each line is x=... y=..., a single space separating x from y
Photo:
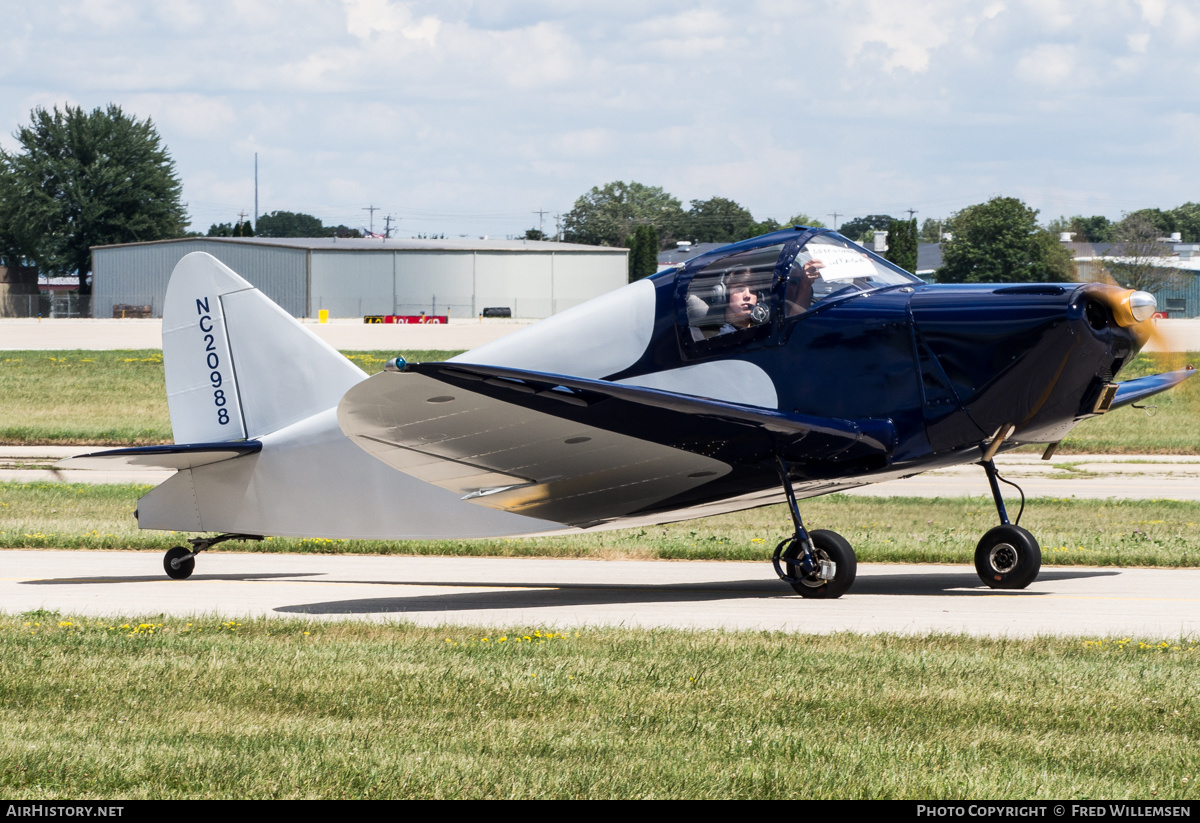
x=104 y=397
x=911 y=530
x=118 y=398
x=154 y=707
x=222 y=709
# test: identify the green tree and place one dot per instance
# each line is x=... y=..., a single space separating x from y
x=765 y=227
x=290 y=224
x=858 y=227
x=802 y=219
x=1164 y=221
x=535 y=234
x=1187 y=221
x=718 y=220
x=902 y=244
x=606 y=216
x=1094 y=229
x=1136 y=257
x=83 y=179
x=643 y=252
x=1000 y=242
x=931 y=230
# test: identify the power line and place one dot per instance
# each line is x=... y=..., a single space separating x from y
x=372 y=210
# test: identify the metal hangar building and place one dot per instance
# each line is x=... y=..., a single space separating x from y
x=354 y=277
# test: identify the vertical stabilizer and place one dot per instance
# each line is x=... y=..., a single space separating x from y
x=236 y=364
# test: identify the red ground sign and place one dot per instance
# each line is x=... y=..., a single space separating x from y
x=431 y=319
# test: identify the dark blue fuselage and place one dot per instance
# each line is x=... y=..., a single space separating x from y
x=949 y=366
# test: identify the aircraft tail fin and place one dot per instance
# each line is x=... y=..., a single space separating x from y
x=238 y=366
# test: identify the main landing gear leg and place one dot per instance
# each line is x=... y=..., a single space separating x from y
x=1008 y=557
x=820 y=563
x=179 y=562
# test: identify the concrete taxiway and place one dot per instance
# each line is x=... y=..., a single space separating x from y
x=1137 y=477
x=516 y=592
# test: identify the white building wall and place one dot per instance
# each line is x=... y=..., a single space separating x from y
x=352 y=284
x=520 y=281
x=353 y=281
x=580 y=276
x=435 y=283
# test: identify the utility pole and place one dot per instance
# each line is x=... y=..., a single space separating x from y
x=558 y=227
x=911 y=212
x=541 y=213
x=835 y=216
x=256 y=188
x=372 y=210
x=387 y=226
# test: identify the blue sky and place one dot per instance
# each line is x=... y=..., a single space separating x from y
x=466 y=117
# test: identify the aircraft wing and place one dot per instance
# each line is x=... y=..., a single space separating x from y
x=573 y=450
x=1131 y=391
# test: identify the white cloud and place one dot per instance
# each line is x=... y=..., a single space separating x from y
x=458 y=107
x=909 y=31
x=1050 y=65
x=1153 y=11
x=367 y=17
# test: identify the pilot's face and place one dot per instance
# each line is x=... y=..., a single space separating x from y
x=742 y=300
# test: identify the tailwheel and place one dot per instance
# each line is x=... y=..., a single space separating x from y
x=1008 y=557
x=179 y=563
x=828 y=574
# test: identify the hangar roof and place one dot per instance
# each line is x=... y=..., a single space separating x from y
x=376 y=244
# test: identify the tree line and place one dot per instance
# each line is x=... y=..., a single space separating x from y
x=90 y=178
x=81 y=178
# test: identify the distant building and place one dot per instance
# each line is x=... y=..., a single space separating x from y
x=683 y=252
x=355 y=277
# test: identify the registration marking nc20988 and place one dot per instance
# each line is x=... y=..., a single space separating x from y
x=213 y=361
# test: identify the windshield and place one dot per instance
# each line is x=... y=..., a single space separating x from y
x=830 y=266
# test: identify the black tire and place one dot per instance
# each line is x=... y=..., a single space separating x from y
x=185 y=567
x=828 y=546
x=1008 y=557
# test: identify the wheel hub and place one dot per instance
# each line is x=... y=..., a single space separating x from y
x=1003 y=558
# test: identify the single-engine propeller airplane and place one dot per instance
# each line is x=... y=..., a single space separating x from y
x=783 y=367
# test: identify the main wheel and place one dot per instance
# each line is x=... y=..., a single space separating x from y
x=179 y=563
x=1008 y=557
x=828 y=546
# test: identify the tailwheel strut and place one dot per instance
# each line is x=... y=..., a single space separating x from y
x=816 y=564
x=1008 y=556
x=180 y=562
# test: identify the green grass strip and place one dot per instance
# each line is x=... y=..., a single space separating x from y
x=105 y=397
x=211 y=708
x=909 y=530
x=118 y=398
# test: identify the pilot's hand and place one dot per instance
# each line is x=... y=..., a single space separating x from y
x=812 y=270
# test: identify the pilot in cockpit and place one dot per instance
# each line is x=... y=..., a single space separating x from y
x=742 y=302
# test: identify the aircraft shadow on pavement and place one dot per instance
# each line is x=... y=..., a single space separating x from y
x=542 y=595
x=159 y=578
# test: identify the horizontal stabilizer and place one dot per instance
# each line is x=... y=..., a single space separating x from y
x=187 y=456
x=1131 y=391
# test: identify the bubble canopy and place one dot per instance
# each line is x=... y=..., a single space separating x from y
x=754 y=287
